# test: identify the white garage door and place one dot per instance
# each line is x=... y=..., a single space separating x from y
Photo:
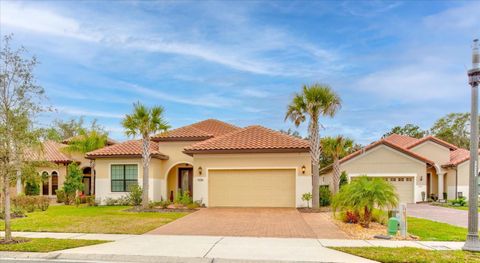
x=404 y=187
x=251 y=188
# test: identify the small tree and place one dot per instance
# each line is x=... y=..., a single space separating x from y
x=337 y=148
x=85 y=142
x=73 y=182
x=363 y=194
x=307 y=197
x=20 y=101
x=145 y=122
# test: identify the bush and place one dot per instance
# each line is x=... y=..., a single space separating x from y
x=349 y=217
x=366 y=194
x=183 y=198
x=325 y=195
x=91 y=201
x=121 y=201
x=32 y=188
x=60 y=195
x=192 y=206
x=461 y=201
x=25 y=203
x=135 y=195
x=380 y=216
x=43 y=202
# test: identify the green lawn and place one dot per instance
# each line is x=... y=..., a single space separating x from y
x=411 y=255
x=48 y=244
x=435 y=231
x=87 y=219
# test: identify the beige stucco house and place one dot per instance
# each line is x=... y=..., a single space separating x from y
x=418 y=168
x=220 y=164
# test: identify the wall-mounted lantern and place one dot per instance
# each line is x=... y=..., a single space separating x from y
x=303 y=169
x=200 y=170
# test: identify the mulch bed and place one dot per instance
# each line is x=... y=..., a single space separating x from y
x=13 y=241
x=312 y=210
x=161 y=210
x=356 y=231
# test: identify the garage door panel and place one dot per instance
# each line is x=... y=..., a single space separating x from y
x=404 y=188
x=251 y=188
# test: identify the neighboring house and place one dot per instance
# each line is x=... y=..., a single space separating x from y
x=219 y=164
x=54 y=161
x=418 y=168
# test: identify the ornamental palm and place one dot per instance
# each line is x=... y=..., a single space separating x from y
x=85 y=142
x=336 y=148
x=313 y=102
x=366 y=193
x=145 y=122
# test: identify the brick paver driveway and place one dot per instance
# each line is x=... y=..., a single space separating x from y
x=254 y=222
x=440 y=214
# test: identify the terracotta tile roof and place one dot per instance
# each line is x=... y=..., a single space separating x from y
x=434 y=139
x=198 y=131
x=458 y=156
x=49 y=152
x=131 y=148
x=109 y=141
x=389 y=144
x=250 y=139
x=400 y=140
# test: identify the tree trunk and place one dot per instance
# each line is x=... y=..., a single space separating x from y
x=6 y=202
x=315 y=156
x=336 y=175
x=367 y=217
x=92 y=177
x=146 y=161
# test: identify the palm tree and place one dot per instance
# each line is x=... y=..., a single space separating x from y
x=145 y=122
x=366 y=193
x=313 y=102
x=85 y=142
x=336 y=148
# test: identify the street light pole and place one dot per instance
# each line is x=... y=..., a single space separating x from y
x=472 y=243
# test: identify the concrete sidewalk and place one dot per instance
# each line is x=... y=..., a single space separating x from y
x=163 y=248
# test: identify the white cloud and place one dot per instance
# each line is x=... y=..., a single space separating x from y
x=85 y=112
x=250 y=53
x=255 y=93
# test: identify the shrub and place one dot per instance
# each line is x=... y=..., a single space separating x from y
x=60 y=195
x=32 y=188
x=43 y=202
x=192 y=206
x=25 y=203
x=91 y=201
x=349 y=217
x=121 y=201
x=343 y=180
x=307 y=197
x=135 y=195
x=379 y=216
x=325 y=195
x=73 y=183
x=461 y=201
x=364 y=194
x=183 y=198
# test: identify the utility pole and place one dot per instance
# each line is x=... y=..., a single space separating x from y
x=472 y=243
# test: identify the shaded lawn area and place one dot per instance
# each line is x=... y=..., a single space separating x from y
x=48 y=244
x=411 y=255
x=92 y=219
x=435 y=231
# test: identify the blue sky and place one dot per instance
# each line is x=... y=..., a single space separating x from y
x=391 y=62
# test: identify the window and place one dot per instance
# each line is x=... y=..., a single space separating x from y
x=123 y=177
x=401 y=179
x=409 y=179
x=393 y=179
x=54 y=182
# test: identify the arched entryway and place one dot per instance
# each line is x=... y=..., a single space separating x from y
x=179 y=179
x=54 y=180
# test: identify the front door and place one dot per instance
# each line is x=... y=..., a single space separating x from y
x=185 y=180
x=86 y=185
